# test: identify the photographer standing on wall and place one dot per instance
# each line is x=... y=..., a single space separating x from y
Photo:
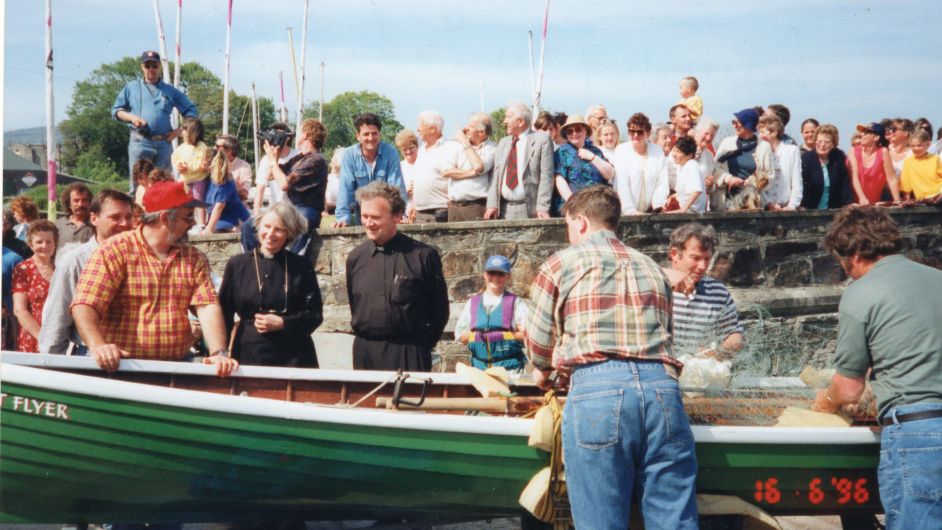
x=145 y=105
x=302 y=178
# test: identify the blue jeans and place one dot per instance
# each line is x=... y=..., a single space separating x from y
x=157 y=151
x=910 y=472
x=625 y=432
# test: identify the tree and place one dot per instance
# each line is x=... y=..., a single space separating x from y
x=93 y=165
x=340 y=112
x=498 y=129
x=90 y=126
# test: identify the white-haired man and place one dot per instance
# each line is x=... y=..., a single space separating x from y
x=595 y=115
x=522 y=183
x=468 y=168
x=430 y=189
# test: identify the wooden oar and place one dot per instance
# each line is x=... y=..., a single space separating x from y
x=498 y=405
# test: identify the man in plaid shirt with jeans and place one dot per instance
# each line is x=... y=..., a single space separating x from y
x=602 y=320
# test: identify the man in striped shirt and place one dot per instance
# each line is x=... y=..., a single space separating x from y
x=602 y=319
x=706 y=324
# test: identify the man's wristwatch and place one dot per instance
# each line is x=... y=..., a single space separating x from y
x=224 y=352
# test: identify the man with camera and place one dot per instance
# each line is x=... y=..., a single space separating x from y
x=302 y=178
x=280 y=136
x=145 y=104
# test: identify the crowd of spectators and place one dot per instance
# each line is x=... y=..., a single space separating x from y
x=675 y=166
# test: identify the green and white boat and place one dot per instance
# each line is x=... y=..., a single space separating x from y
x=171 y=442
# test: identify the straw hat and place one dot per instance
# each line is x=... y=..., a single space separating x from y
x=575 y=119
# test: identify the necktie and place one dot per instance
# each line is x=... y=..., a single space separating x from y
x=511 y=179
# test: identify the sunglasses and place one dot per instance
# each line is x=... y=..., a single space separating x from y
x=151 y=66
x=636 y=131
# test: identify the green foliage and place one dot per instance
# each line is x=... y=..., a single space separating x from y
x=340 y=112
x=92 y=165
x=498 y=130
x=89 y=121
x=91 y=128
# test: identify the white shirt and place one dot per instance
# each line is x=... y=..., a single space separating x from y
x=430 y=189
x=786 y=188
x=689 y=181
x=275 y=193
x=629 y=168
x=474 y=188
x=518 y=194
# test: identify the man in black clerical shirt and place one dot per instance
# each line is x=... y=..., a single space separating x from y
x=398 y=298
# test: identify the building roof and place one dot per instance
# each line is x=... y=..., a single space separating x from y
x=15 y=162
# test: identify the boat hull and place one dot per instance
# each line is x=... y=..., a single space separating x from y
x=75 y=448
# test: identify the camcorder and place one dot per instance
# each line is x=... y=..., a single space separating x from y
x=275 y=137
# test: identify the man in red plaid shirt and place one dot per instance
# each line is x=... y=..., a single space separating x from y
x=133 y=297
x=602 y=319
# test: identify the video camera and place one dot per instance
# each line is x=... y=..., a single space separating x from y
x=275 y=137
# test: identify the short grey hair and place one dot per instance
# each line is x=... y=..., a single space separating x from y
x=706 y=123
x=430 y=117
x=702 y=233
x=337 y=158
x=594 y=108
x=380 y=190
x=520 y=110
x=294 y=222
x=662 y=127
x=485 y=120
x=231 y=142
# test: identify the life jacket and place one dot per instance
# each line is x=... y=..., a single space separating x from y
x=493 y=343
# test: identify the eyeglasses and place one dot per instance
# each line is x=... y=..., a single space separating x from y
x=636 y=131
x=892 y=129
x=151 y=66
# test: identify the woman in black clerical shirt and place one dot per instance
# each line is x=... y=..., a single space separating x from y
x=275 y=294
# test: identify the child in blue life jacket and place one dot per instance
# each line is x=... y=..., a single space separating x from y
x=491 y=323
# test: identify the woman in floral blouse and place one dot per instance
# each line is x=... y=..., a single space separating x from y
x=31 y=282
x=579 y=163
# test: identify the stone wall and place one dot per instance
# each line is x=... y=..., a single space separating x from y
x=769 y=259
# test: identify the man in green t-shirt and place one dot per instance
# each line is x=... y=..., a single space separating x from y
x=890 y=327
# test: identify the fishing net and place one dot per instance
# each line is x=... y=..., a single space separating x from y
x=751 y=391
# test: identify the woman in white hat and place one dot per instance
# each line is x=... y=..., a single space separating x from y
x=579 y=163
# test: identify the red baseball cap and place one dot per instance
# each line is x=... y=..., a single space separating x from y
x=162 y=196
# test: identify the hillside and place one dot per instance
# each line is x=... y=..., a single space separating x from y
x=32 y=135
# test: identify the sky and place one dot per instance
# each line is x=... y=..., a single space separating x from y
x=843 y=62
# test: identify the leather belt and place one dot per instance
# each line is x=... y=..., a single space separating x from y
x=469 y=203
x=153 y=137
x=886 y=421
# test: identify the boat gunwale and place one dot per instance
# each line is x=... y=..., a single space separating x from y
x=37 y=375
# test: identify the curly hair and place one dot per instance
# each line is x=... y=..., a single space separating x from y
x=866 y=231
x=638 y=119
x=24 y=207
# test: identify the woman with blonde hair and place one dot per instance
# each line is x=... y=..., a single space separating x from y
x=608 y=138
x=227 y=209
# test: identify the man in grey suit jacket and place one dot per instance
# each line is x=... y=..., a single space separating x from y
x=522 y=185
